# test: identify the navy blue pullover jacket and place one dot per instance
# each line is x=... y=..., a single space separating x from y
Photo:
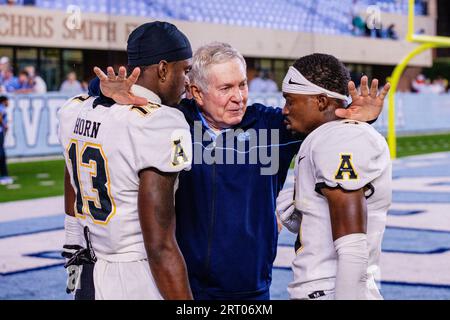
x=226 y=224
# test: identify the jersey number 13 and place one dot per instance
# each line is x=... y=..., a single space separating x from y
x=91 y=161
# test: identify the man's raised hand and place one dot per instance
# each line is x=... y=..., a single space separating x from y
x=367 y=105
x=118 y=87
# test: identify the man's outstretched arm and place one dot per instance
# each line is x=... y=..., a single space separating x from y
x=367 y=105
x=157 y=217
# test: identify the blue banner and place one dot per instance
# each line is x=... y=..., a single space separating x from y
x=33 y=125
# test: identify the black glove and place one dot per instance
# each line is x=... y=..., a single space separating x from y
x=77 y=256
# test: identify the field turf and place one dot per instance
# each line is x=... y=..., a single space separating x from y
x=414 y=145
x=34 y=180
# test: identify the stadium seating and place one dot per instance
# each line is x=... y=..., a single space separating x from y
x=318 y=16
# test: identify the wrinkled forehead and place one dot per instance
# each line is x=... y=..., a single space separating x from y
x=229 y=71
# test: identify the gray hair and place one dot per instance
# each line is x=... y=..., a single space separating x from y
x=210 y=54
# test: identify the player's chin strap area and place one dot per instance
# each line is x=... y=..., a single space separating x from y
x=296 y=83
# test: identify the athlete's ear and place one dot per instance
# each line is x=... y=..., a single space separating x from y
x=197 y=94
x=322 y=102
x=163 y=70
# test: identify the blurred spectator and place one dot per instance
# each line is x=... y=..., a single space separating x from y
x=23 y=85
x=439 y=85
x=359 y=26
x=421 y=7
x=4 y=66
x=424 y=85
x=420 y=31
x=36 y=82
x=368 y=32
x=263 y=83
x=391 y=34
x=419 y=84
x=9 y=82
x=71 y=86
x=358 y=23
x=444 y=82
x=85 y=86
x=4 y=178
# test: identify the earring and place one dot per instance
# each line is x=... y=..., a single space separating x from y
x=163 y=79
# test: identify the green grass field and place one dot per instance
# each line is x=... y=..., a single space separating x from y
x=46 y=178
x=34 y=180
x=408 y=146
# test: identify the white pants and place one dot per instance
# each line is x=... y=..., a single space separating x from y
x=329 y=295
x=371 y=293
x=124 y=281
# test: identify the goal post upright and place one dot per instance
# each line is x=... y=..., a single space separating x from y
x=426 y=43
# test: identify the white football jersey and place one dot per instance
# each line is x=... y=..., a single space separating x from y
x=105 y=148
x=351 y=155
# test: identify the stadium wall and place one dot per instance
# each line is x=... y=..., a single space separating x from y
x=34 y=125
x=25 y=26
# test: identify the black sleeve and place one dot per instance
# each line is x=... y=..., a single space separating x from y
x=372 y=121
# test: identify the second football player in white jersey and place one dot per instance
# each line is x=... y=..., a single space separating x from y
x=342 y=185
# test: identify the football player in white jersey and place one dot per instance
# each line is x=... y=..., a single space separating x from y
x=342 y=184
x=122 y=164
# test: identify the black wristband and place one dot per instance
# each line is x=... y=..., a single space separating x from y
x=372 y=121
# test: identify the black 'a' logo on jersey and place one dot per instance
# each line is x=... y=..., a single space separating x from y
x=179 y=156
x=346 y=169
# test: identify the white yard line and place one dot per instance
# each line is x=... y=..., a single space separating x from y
x=48 y=183
x=42 y=176
x=26 y=209
x=34 y=159
x=13 y=186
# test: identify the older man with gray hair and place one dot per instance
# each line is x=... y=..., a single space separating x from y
x=225 y=205
x=227 y=228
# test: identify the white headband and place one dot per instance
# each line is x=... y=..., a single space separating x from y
x=296 y=83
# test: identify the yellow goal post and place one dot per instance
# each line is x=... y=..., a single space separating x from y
x=425 y=43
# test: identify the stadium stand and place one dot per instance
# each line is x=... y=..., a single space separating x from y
x=317 y=16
